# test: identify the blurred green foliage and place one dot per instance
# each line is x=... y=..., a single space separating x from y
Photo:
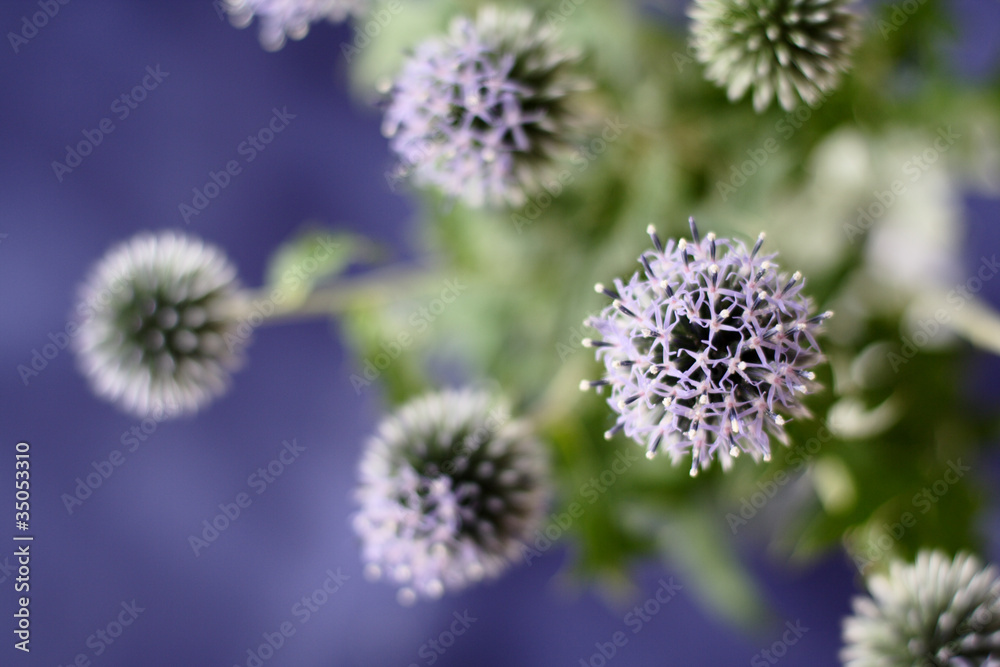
x=881 y=436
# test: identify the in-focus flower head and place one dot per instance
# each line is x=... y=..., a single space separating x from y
x=281 y=19
x=937 y=611
x=482 y=112
x=785 y=48
x=705 y=348
x=449 y=490
x=158 y=326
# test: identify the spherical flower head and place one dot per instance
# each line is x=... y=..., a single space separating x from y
x=938 y=611
x=482 y=113
x=789 y=48
x=705 y=348
x=281 y=19
x=449 y=490
x=159 y=330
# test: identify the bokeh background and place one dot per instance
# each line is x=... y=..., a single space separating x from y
x=129 y=540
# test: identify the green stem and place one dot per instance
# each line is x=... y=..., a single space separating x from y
x=373 y=290
x=559 y=398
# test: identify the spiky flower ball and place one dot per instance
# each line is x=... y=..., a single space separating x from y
x=785 y=48
x=705 y=348
x=450 y=489
x=482 y=112
x=938 y=611
x=280 y=19
x=158 y=318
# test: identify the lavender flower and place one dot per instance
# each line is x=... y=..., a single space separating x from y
x=937 y=611
x=482 y=113
x=786 y=48
x=280 y=19
x=704 y=348
x=158 y=312
x=449 y=491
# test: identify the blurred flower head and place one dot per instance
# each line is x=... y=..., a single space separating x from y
x=158 y=323
x=280 y=19
x=705 y=348
x=786 y=48
x=449 y=490
x=937 y=611
x=482 y=112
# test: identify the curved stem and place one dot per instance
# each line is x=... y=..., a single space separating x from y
x=559 y=398
x=375 y=289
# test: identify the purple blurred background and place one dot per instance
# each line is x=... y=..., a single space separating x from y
x=128 y=541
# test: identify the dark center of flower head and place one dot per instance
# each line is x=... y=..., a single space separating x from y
x=507 y=93
x=162 y=328
x=469 y=484
x=706 y=343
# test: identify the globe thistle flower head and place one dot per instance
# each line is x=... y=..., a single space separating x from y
x=482 y=113
x=937 y=611
x=705 y=348
x=449 y=491
x=281 y=19
x=158 y=327
x=785 y=48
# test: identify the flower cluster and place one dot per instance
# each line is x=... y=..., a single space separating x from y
x=449 y=490
x=704 y=348
x=281 y=19
x=482 y=113
x=159 y=318
x=937 y=611
x=783 y=48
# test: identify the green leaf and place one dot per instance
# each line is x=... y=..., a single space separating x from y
x=317 y=254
